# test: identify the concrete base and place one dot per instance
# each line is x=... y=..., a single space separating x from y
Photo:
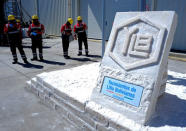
x=69 y=91
x=70 y=96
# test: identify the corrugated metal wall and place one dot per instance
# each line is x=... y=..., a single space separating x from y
x=91 y=10
x=28 y=9
x=52 y=13
x=113 y=6
x=179 y=6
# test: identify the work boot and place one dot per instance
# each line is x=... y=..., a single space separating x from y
x=67 y=57
x=14 y=62
x=25 y=61
x=41 y=59
x=34 y=58
x=79 y=54
x=87 y=54
x=41 y=56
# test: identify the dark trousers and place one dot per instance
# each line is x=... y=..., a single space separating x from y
x=16 y=42
x=65 y=44
x=37 y=43
x=82 y=38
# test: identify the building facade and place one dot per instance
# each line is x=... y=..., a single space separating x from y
x=53 y=13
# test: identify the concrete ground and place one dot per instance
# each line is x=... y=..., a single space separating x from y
x=21 y=110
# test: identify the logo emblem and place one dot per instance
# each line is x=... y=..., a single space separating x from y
x=136 y=42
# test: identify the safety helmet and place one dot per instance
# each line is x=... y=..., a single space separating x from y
x=11 y=17
x=35 y=17
x=18 y=21
x=79 y=18
x=70 y=20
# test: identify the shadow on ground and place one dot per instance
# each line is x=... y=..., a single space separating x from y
x=82 y=59
x=29 y=46
x=176 y=81
x=53 y=62
x=94 y=56
x=26 y=46
x=30 y=65
x=171 y=111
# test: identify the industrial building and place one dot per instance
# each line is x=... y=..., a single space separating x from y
x=53 y=13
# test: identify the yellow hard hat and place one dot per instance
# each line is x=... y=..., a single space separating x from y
x=35 y=17
x=70 y=20
x=18 y=21
x=11 y=17
x=79 y=18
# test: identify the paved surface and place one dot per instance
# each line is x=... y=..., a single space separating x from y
x=21 y=110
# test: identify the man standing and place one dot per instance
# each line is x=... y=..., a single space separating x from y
x=35 y=32
x=80 y=31
x=66 y=31
x=19 y=27
x=13 y=32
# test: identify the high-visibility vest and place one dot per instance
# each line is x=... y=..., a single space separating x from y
x=12 y=29
x=36 y=29
x=67 y=30
x=80 y=28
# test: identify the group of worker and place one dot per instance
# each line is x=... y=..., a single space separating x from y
x=35 y=31
x=79 y=31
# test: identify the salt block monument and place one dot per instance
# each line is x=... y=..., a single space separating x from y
x=121 y=93
x=135 y=62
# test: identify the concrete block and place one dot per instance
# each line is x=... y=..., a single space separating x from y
x=28 y=85
x=34 y=82
x=122 y=124
x=77 y=121
x=72 y=109
x=134 y=63
x=49 y=102
x=100 y=127
x=61 y=110
x=119 y=127
x=34 y=90
x=41 y=94
x=64 y=102
x=93 y=110
x=45 y=89
x=67 y=107
x=77 y=104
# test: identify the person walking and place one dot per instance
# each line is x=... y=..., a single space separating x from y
x=80 y=32
x=66 y=32
x=35 y=31
x=13 y=32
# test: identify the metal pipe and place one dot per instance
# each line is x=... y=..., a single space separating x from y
x=103 y=27
x=69 y=8
x=78 y=8
x=154 y=3
x=21 y=12
x=37 y=7
x=143 y=5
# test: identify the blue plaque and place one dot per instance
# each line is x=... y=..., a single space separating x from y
x=122 y=91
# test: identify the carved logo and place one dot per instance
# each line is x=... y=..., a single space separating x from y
x=136 y=42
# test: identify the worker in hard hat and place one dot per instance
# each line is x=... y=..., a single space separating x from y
x=19 y=27
x=13 y=32
x=35 y=31
x=66 y=31
x=80 y=31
